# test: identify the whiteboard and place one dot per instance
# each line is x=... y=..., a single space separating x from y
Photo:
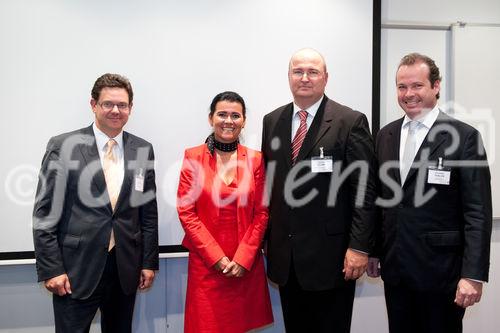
x=476 y=68
x=177 y=55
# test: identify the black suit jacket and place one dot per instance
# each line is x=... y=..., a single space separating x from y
x=73 y=218
x=316 y=235
x=431 y=246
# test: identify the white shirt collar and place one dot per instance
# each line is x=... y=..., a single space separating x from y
x=311 y=111
x=102 y=139
x=427 y=120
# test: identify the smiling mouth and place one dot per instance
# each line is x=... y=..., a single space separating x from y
x=411 y=103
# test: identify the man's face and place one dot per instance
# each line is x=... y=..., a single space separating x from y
x=307 y=76
x=416 y=96
x=111 y=110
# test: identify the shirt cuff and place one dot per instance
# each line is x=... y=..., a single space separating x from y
x=359 y=251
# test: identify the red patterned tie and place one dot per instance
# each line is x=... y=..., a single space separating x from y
x=299 y=136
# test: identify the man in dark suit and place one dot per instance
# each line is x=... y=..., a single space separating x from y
x=435 y=234
x=321 y=211
x=95 y=222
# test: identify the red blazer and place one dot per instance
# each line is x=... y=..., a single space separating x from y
x=198 y=210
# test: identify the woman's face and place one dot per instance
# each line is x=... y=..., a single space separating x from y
x=227 y=121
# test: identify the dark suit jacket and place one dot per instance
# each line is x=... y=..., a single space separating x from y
x=316 y=235
x=430 y=247
x=73 y=218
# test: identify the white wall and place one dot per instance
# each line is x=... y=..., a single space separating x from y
x=443 y=11
x=475 y=87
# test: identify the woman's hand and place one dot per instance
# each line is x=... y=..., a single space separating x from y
x=221 y=264
x=233 y=269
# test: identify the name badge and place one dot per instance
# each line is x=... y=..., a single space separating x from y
x=321 y=163
x=439 y=175
x=139 y=181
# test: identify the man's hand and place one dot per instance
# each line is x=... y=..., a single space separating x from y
x=468 y=292
x=147 y=277
x=355 y=263
x=373 y=269
x=221 y=264
x=233 y=269
x=58 y=285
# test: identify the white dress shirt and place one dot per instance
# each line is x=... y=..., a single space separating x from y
x=101 y=140
x=425 y=123
x=311 y=112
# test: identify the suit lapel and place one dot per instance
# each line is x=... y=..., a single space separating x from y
x=393 y=146
x=91 y=158
x=429 y=146
x=243 y=182
x=211 y=161
x=241 y=167
x=129 y=154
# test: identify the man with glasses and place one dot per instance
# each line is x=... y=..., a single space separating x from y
x=95 y=222
x=322 y=216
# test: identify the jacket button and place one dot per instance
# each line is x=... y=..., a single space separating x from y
x=290 y=235
x=401 y=206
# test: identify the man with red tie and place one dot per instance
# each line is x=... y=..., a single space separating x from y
x=320 y=227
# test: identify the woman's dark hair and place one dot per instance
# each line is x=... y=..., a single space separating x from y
x=229 y=96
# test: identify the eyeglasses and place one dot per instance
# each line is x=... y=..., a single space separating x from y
x=108 y=106
x=311 y=74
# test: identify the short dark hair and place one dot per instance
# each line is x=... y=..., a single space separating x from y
x=109 y=80
x=414 y=58
x=229 y=96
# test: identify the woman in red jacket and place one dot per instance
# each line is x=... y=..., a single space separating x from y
x=224 y=216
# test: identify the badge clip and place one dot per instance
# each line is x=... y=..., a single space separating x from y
x=440 y=163
x=321 y=163
x=439 y=175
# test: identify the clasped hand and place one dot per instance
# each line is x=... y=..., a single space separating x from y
x=229 y=268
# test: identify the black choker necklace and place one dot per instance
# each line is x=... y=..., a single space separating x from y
x=213 y=144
